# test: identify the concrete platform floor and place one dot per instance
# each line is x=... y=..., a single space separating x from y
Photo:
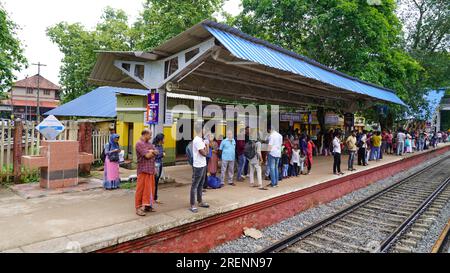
x=91 y=220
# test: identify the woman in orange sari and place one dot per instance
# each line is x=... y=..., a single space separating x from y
x=214 y=160
x=309 y=153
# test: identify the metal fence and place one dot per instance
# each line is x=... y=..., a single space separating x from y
x=31 y=141
x=6 y=145
x=99 y=139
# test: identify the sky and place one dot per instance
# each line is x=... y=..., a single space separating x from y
x=33 y=17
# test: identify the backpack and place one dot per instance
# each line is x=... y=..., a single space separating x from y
x=113 y=157
x=103 y=154
x=250 y=150
x=214 y=182
x=189 y=154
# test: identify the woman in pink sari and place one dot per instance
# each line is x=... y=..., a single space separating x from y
x=111 y=175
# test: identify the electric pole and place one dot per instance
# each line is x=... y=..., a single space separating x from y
x=38 y=111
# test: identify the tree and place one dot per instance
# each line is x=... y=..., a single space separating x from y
x=79 y=45
x=427 y=24
x=11 y=51
x=164 y=19
x=354 y=37
x=159 y=21
x=427 y=38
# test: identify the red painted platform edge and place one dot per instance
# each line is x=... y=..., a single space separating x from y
x=202 y=235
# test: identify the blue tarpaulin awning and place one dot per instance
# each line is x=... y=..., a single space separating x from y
x=251 y=49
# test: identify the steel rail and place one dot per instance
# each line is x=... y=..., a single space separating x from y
x=294 y=238
x=390 y=241
x=441 y=241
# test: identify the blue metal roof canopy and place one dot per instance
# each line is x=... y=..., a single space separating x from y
x=252 y=49
x=100 y=103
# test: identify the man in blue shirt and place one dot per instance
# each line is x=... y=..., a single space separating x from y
x=228 y=148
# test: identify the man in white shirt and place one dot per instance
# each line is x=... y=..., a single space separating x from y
x=337 y=154
x=254 y=163
x=401 y=137
x=274 y=148
x=439 y=137
x=199 y=153
x=362 y=146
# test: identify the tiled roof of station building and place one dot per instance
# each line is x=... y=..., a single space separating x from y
x=32 y=82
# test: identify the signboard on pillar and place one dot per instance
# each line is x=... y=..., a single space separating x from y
x=169 y=118
x=153 y=109
x=50 y=127
x=349 y=120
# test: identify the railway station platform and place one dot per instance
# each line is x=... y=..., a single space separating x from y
x=104 y=221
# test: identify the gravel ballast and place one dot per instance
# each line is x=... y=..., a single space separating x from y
x=291 y=225
x=435 y=230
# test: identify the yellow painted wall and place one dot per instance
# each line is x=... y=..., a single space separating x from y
x=137 y=130
x=169 y=140
x=122 y=130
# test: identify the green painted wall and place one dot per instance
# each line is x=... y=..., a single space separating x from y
x=445 y=120
x=129 y=101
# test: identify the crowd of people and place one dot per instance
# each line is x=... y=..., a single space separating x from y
x=271 y=156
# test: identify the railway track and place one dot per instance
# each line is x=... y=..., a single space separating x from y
x=392 y=220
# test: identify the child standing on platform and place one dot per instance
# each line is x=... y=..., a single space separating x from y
x=301 y=161
x=285 y=162
x=295 y=160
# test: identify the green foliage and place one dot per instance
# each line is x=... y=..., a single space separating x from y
x=128 y=185
x=351 y=36
x=30 y=176
x=427 y=39
x=11 y=52
x=164 y=19
x=27 y=175
x=79 y=45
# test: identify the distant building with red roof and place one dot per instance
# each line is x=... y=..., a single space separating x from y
x=22 y=98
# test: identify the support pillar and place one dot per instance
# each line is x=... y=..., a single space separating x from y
x=85 y=139
x=159 y=128
x=17 y=150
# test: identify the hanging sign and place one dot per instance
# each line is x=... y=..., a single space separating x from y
x=153 y=108
x=331 y=118
x=291 y=117
x=169 y=118
x=349 y=120
x=50 y=127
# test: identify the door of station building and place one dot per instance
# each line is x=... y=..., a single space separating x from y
x=182 y=143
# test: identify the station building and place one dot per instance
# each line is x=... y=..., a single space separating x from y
x=443 y=114
x=223 y=64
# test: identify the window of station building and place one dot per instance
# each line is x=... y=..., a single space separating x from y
x=191 y=54
x=126 y=66
x=139 y=71
x=47 y=92
x=170 y=66
x=29 y=90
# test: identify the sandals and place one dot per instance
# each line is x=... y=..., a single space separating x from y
x=149 y=209
x=140 y=212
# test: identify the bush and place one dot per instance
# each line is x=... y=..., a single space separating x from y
x=30 y=176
